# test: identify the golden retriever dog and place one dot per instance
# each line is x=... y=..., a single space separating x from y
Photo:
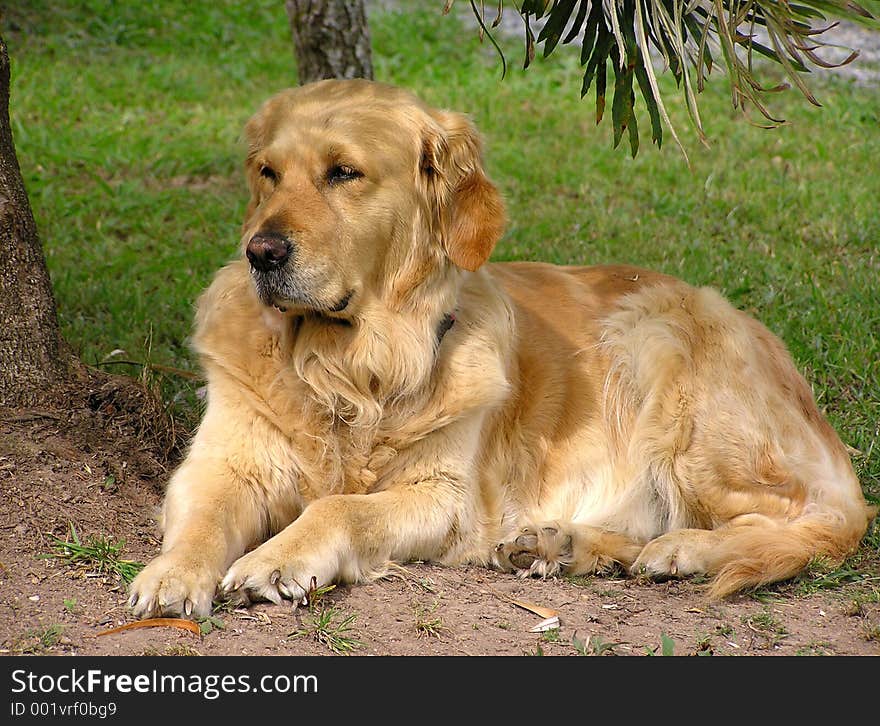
x=378 y=392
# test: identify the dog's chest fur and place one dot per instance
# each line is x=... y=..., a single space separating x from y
x=352 y=408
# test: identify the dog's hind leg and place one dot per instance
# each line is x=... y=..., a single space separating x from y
x=751 y=549
x=550 y=548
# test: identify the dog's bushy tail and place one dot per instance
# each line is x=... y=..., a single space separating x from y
x=759 y=555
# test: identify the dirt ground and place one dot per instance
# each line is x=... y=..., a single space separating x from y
x=98 y=468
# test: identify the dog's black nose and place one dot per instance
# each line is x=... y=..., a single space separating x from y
x=268 y=251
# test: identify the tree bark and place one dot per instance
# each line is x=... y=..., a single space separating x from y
x=34 y=358
x=331 y=39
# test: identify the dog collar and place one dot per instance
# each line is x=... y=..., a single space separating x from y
x=445 y=324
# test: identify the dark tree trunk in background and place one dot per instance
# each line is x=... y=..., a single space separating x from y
x=34 y=360
x=330 y=39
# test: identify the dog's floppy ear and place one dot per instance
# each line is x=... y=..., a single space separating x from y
x=468 y=210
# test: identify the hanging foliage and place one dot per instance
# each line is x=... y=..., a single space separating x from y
x=688 y=37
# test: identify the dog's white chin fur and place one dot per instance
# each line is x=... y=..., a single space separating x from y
x=273 y=318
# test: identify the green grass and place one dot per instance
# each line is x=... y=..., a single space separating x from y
x=593 y=645
x=426 y=622
x=817 y=648
x=210 y=624
x=326 y=623
x=766 y=625
x=328 y=626
x=97 y=554
x=35 y=641
x=127 y=121
x=666 y=647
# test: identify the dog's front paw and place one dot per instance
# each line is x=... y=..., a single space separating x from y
x=268 y=573
x=173 y=585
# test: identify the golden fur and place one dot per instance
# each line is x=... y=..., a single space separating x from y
x=570 y=419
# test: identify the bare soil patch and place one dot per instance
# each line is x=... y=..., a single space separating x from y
x=101 y=468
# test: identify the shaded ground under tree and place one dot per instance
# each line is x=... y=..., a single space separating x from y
x=98 y=469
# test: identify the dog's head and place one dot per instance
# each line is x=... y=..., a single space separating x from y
x=360 y=192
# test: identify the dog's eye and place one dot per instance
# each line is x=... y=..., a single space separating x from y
x=341 y=173
x=267 y=172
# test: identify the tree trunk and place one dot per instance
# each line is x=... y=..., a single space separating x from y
x=34 y=359
x=330 y=39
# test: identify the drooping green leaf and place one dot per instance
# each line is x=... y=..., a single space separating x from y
x=599 y=55
x=700 y=32
x=601 y=82
x=848 y=10
x=551 y=33
x=590 y=33
x=633 y=129
x=578 y=21
x=532 y=7
x=530 y=42
x=650 y=101
x=806 y=11
x=489 y=35
x=772 y=55
x=620 y=108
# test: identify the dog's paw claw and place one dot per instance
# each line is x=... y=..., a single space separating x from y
x=259 y=575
